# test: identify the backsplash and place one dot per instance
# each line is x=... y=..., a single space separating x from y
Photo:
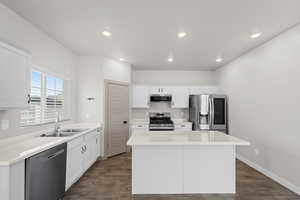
x=176 y=113
x=13 y=116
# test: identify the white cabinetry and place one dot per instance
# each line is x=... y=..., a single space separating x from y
x=12 y=181
x=159 y=90
x=183 y=127
x=14 y=78
x=74 y=161
x=204 y=90
x=140 y=96
x=180 y=94
x=139 y=127
x=90 y=150
x=180 y=97
x=82 y=153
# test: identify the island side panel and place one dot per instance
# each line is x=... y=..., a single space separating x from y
x=157 y=169
x=209 y=169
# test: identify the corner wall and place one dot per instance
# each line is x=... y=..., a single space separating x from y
x=264 y=105
x=92 y=72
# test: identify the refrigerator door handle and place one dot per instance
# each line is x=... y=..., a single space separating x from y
x=212 y=113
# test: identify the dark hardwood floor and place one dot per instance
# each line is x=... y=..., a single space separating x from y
x=111 y=180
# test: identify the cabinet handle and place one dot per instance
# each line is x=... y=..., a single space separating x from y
x=96 y=140
x=85 y=148
x=82 y=150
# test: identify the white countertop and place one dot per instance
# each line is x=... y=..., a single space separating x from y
x=184 y=138
x=15 y=149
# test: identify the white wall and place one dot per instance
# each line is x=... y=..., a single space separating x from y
x=174 y=77
x=49 y=55
x=92 y=72
x=263 y=88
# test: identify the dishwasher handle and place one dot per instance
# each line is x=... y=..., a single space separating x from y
x=56 y=154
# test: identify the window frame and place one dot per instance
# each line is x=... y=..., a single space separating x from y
x=43 y=100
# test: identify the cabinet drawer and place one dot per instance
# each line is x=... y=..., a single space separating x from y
x=183 y=126
x=140 y=126
x=76 y=142
x=91 y=135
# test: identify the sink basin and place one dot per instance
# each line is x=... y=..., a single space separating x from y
x=64 y=133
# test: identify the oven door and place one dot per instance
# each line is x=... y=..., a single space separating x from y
x=218 y=112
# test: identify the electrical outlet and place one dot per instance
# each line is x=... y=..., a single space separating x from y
x=4 y=124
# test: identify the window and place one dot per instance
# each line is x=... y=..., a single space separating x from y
x=47 y=99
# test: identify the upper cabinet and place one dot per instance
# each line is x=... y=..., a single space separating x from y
x=140 y=96
x=180 y=97
x=180 y=94
x=204 y=90
x=158 y=90
x=15 y=66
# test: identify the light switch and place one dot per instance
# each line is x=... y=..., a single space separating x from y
x=4 y=124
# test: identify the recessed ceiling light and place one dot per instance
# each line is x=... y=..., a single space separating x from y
x=255 y=35
x=121 y=59
x=170 y=59
x=106 y=33
x=219 y=60
x=181 y=35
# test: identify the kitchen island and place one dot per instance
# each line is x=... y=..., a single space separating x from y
x=183 y=163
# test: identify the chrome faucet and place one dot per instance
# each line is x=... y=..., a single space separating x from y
x=57 y=127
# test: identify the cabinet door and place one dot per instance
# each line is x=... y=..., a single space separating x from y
x=166 y=90
x=74 y=165
x=155 y=90
x=180 y=97
x=91 y=150
x=139 y=128
x=98 y=146
x=14 y=78
x=183 y=127
x=204 y=90
x=140 y=98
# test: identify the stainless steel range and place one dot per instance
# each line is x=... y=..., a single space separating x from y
x=161 y=122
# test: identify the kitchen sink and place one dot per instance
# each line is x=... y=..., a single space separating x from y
x=64 y=133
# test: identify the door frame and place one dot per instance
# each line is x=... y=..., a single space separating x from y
x=106 y=115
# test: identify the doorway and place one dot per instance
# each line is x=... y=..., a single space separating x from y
x=116 y=117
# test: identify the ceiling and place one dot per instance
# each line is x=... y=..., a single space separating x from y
x=144 y=32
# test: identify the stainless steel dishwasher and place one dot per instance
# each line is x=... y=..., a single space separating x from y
x=46 y=174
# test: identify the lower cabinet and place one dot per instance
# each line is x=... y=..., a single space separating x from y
x=183 y=127
x=12 y=181
x=82 y=153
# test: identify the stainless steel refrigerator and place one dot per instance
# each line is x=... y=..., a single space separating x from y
x=208 y=112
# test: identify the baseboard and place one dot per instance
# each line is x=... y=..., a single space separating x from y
x=271 y=175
